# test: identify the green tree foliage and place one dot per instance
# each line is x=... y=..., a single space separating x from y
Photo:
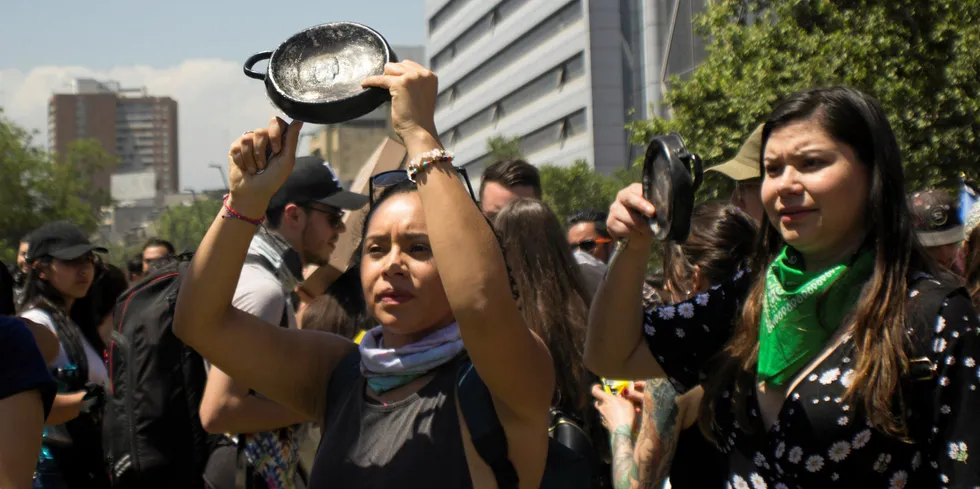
x=920 y=59
x=185 y=225
x=501 y=148
x=120 y=253
x=578 y=187
x=36 y=187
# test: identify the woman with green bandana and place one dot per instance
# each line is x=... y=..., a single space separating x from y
x=840 y=357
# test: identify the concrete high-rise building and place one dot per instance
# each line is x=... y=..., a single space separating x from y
x=139 y=129
x=565 y=76
x=348 y=145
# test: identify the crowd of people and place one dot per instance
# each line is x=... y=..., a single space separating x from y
x=820 y=329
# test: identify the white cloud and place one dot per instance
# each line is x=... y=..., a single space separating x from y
x=216 y=103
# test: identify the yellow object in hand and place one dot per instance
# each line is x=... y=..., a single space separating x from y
x=616 y=387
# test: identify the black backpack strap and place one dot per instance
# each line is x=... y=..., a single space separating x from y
x=71 y=341
x=486 y=432
x=925 y=301
x=926 y=298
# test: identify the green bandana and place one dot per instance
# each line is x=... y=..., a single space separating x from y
x=790 y=333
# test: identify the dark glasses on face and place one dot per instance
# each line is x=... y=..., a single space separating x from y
x=394 y=177
x=335 y=217
x=589 y=244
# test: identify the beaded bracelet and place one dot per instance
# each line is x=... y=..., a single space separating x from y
x=425 y=160
x=233 y=214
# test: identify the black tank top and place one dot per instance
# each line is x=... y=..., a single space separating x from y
x=412 y=443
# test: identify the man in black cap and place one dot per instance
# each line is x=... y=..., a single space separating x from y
x=939 y=226
x=303 y=223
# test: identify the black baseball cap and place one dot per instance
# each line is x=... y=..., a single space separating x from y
x=61 y=240
x=313 y=180
x=937 y=218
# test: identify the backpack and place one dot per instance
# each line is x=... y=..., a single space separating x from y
x=152 y=433
x=568 y=466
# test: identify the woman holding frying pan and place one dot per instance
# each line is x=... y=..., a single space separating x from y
x=841 y=357
x=434 y=279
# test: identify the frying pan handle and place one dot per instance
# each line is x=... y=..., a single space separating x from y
x=250 y=62
x=698 y=171
x=268 y=150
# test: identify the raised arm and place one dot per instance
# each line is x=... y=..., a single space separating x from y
x=469 y=258
x=227 y=407
x=289 y=366
x=614 y=346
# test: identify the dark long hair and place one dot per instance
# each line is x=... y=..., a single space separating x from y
x=971 y=267
x=721 y=241
x=39 y=293
x=879 y=320
x=90 y=311
x=553 y=296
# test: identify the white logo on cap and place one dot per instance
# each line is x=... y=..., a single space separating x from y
x=333 y=174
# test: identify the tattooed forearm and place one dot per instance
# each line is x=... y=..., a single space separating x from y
x=658 y=436
x=624 y=468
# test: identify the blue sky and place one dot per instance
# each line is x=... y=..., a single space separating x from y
x=102 y=34
x=191 y=51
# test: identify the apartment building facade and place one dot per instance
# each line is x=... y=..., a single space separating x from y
x=564 y=76
x=139 y=129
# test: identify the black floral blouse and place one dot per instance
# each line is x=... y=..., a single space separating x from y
x=820 y=440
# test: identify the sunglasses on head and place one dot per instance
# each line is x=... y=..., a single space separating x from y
x=589 y=244
x=394 y=177
x=335 y=217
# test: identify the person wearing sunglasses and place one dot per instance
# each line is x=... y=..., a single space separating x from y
x=435 y=281
x=587 y=234
x=303 y=222
x=156 y=253
x=591 y=246
x=63 y=266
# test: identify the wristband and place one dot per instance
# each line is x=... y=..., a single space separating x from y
x=423 y=161
x=233 y=214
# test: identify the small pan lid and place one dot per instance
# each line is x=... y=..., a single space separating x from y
x=671 y=175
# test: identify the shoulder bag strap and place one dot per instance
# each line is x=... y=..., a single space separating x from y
x=71 y=341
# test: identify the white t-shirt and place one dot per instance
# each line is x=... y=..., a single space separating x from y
x=96 y=368
x=259 y=293
x=593 y=270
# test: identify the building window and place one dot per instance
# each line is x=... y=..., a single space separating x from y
x=516 y=50
x=439 y=19
x=549 y=82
